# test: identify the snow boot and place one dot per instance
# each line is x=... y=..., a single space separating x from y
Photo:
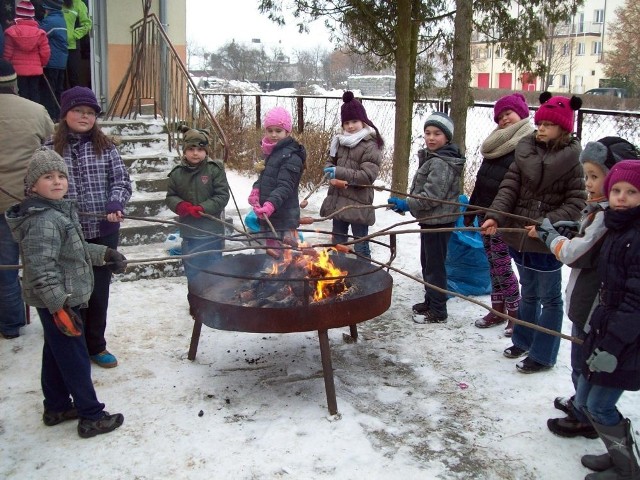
x=512 y=311
x=597 y=463
x=491 y=319
x=620 y=444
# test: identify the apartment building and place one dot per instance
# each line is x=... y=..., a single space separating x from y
x=573 y=51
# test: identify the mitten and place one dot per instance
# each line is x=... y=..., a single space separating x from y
x=602 y=361
x=68 y=322
x=196 y=210
x=254 y=197
x=546 y=232
x=398 y=205
x=331 y=171
x=183 y=208
x=567 y=228
x=113 y=207
x=266 y=210
x=116 y=262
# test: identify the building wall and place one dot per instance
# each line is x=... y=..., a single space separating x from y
x=373 y=85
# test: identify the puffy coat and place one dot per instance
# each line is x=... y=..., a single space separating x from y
x=205 y=185
x=78 y=22
x=615 y=323
x=57 y=260
x=279 y=181
x=539 y=183
x=56 y=29
x=357 y=165
x=438 y=177
x=26 y=47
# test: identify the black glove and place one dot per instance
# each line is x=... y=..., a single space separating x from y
x=567 y=228
x=116 y=262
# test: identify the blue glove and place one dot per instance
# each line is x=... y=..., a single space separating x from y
x=546 y=232
x=602 y=361
x=331 y=171
x=398 y=205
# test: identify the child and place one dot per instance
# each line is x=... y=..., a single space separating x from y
x=27 y=48
x=198 y=185
x=611 y=350
x=275 y=193
x=355 y=156
x=76 y=16
x=440 y=167
x=57 y=280
x=511 y=113
x=52 y=84
x=545 y=180
x=99 y=182
x=581 y=253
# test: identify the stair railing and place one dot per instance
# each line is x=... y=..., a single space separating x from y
x=158 y=77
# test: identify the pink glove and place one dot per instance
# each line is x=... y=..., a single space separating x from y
x=254 y=198
x=266 y=210
x=183 y=209
x=196 y=210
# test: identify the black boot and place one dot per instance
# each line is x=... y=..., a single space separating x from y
x=620 y=445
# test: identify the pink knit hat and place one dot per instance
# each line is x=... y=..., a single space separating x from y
x=623 y=171
x=278 y=117
x=558 y=110
x=515 y=102
x=25 y=9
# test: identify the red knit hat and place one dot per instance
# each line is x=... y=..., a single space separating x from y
x=558 y=110
x=515 y=102
x=623 y=171
x=25 y=9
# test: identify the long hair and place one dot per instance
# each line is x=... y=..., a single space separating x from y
x=562 y=141
x=99 y=140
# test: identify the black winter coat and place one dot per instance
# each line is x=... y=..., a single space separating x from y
x=490 y=175
x=278 y=183
x=615 y=323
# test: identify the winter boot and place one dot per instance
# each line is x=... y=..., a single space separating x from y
x=512 y=311
x=597 y=463
x=491 y=319
x=621 y=447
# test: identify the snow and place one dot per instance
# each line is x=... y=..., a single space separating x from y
x=415 y=401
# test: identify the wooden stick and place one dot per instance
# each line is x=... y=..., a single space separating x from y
x=304 y=202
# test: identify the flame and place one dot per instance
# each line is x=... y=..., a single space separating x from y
x=324 y=287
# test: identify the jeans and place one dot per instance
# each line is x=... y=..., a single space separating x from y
x=192 y=266
x=12 y=314
x=341 y=229
x=433 y=253
x=66 y=371
x=598 y=401
x=541 y=305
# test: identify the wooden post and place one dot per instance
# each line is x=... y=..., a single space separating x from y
x=300 y=109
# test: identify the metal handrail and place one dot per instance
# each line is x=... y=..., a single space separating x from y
x=157 y=76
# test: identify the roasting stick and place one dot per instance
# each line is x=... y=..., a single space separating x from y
x=304 y=202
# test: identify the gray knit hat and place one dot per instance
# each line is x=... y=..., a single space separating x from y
x=442 y=121
x=608 y=151
x=43 y=161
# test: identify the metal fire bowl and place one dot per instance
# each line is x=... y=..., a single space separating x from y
x=214 y=302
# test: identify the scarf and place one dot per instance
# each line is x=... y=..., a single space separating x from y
x=503 y=140
x=348 y=140
x=267 y=146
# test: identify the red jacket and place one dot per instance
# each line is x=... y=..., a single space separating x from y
x=26 y=47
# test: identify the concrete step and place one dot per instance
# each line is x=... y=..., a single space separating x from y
x=150 y=143
x=153 y=162
x=142 y=125
x=169 y=267
x=157 y=182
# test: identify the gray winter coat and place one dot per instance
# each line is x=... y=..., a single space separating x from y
x=57 y=260
x=357 y=165
x=438 y=177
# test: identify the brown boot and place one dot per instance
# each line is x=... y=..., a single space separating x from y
x=491 y=319
x=512 y=312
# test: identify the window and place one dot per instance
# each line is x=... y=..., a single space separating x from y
x=598 y=16
x=580 y=22
x=488 y=52
x=565 y=49
x=580 y=48
x=596 y=48
x=550 y=81
x=579 y=80
x=563 y=80
x=498 y=52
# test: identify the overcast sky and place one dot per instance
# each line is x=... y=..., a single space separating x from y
x=212 y=24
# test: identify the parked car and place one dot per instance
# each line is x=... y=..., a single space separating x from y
x=613 y=92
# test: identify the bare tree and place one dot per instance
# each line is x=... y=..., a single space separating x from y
x=621 y=58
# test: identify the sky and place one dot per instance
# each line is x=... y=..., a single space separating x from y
x=211 y=24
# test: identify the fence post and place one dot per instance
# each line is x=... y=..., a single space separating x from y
x=579 y=127
x=226 y=105
x=258 y=111
x=300 y=108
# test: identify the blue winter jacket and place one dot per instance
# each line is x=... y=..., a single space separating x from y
x=56 y=28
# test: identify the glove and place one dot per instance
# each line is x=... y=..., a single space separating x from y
x=331 y=171
x=602 y=361
x=468 y=220
x=196 y=210
x=266 y=210
x=398 y=205
x=546 y=232
x=116 y=262
x=183 y=208
x=113 y=207
x=567 y=228
x=68 y=322
x=254 y=198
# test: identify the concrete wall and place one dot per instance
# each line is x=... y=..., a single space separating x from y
x=373 y=85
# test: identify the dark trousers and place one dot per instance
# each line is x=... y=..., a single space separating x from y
x=66 y=371
x=95 y=316
x=29 y=88
x=51 y=92
x=340 y=235
x=73 y=68
x=193 y=266
x=433 y=253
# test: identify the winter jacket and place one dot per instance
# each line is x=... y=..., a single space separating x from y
x=539 y=183
x=438 y=177
x=57 y=260
x=581 y=254
x=615 y=323
x=78 y=12
x=56 y=28
x=278 y=183
x=204 y=184
x=24 y=126
x=94 y=181
x=26 y=47
x=357 y=165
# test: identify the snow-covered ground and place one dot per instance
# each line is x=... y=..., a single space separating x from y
x=415 y=401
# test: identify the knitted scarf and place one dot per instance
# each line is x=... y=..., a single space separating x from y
x=348 y=140
x=503 y=140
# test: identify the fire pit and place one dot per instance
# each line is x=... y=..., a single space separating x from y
x=215 y=301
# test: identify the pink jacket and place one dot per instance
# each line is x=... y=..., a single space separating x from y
x=26 y=47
